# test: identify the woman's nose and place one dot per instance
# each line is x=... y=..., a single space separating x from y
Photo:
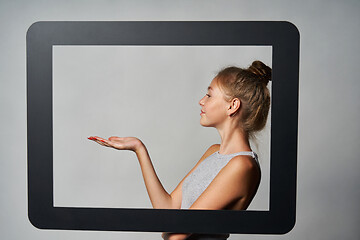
x=201 y=102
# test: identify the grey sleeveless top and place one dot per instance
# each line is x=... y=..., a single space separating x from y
x=196 y=183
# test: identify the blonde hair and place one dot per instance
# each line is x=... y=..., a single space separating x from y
x=250 y=86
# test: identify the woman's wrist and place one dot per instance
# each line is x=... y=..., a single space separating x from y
x=140 y=146
x=141 y=152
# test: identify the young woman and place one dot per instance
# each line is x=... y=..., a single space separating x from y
x=237 y=105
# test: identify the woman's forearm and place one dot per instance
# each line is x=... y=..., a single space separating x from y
x=158 y=196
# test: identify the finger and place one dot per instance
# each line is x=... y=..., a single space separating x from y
x=100 y=141
x=105 y=142
x=96 y=138
x=93 y=138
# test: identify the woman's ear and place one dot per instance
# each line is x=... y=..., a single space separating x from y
x=234 y=106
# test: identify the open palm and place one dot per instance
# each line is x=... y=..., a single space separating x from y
x=119 y=143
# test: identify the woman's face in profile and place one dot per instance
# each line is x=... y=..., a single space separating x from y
x=213 y=106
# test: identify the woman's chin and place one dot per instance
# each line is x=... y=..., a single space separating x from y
x=204 y=124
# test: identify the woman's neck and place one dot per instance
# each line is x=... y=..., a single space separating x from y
x=233 y=140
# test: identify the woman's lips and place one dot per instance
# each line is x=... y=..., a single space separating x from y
x=202 y=112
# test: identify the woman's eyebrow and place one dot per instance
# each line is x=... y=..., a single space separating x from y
x=209 y=88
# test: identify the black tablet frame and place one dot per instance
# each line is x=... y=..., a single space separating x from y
x=284 y=38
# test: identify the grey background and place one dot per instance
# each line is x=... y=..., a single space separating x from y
x=328 y=162
x=151 y=92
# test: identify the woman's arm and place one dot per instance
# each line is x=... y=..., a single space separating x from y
x=158 y=196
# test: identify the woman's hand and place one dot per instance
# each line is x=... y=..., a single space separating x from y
x=165 y=236
x=119 y=143
x=175 y=236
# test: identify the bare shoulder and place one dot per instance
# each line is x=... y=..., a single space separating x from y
x=232 y=188
x=212 y=149
x=243 y=163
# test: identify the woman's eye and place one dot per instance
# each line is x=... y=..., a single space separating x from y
x=208 y=95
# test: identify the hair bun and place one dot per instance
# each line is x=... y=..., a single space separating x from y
x=262 y=71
